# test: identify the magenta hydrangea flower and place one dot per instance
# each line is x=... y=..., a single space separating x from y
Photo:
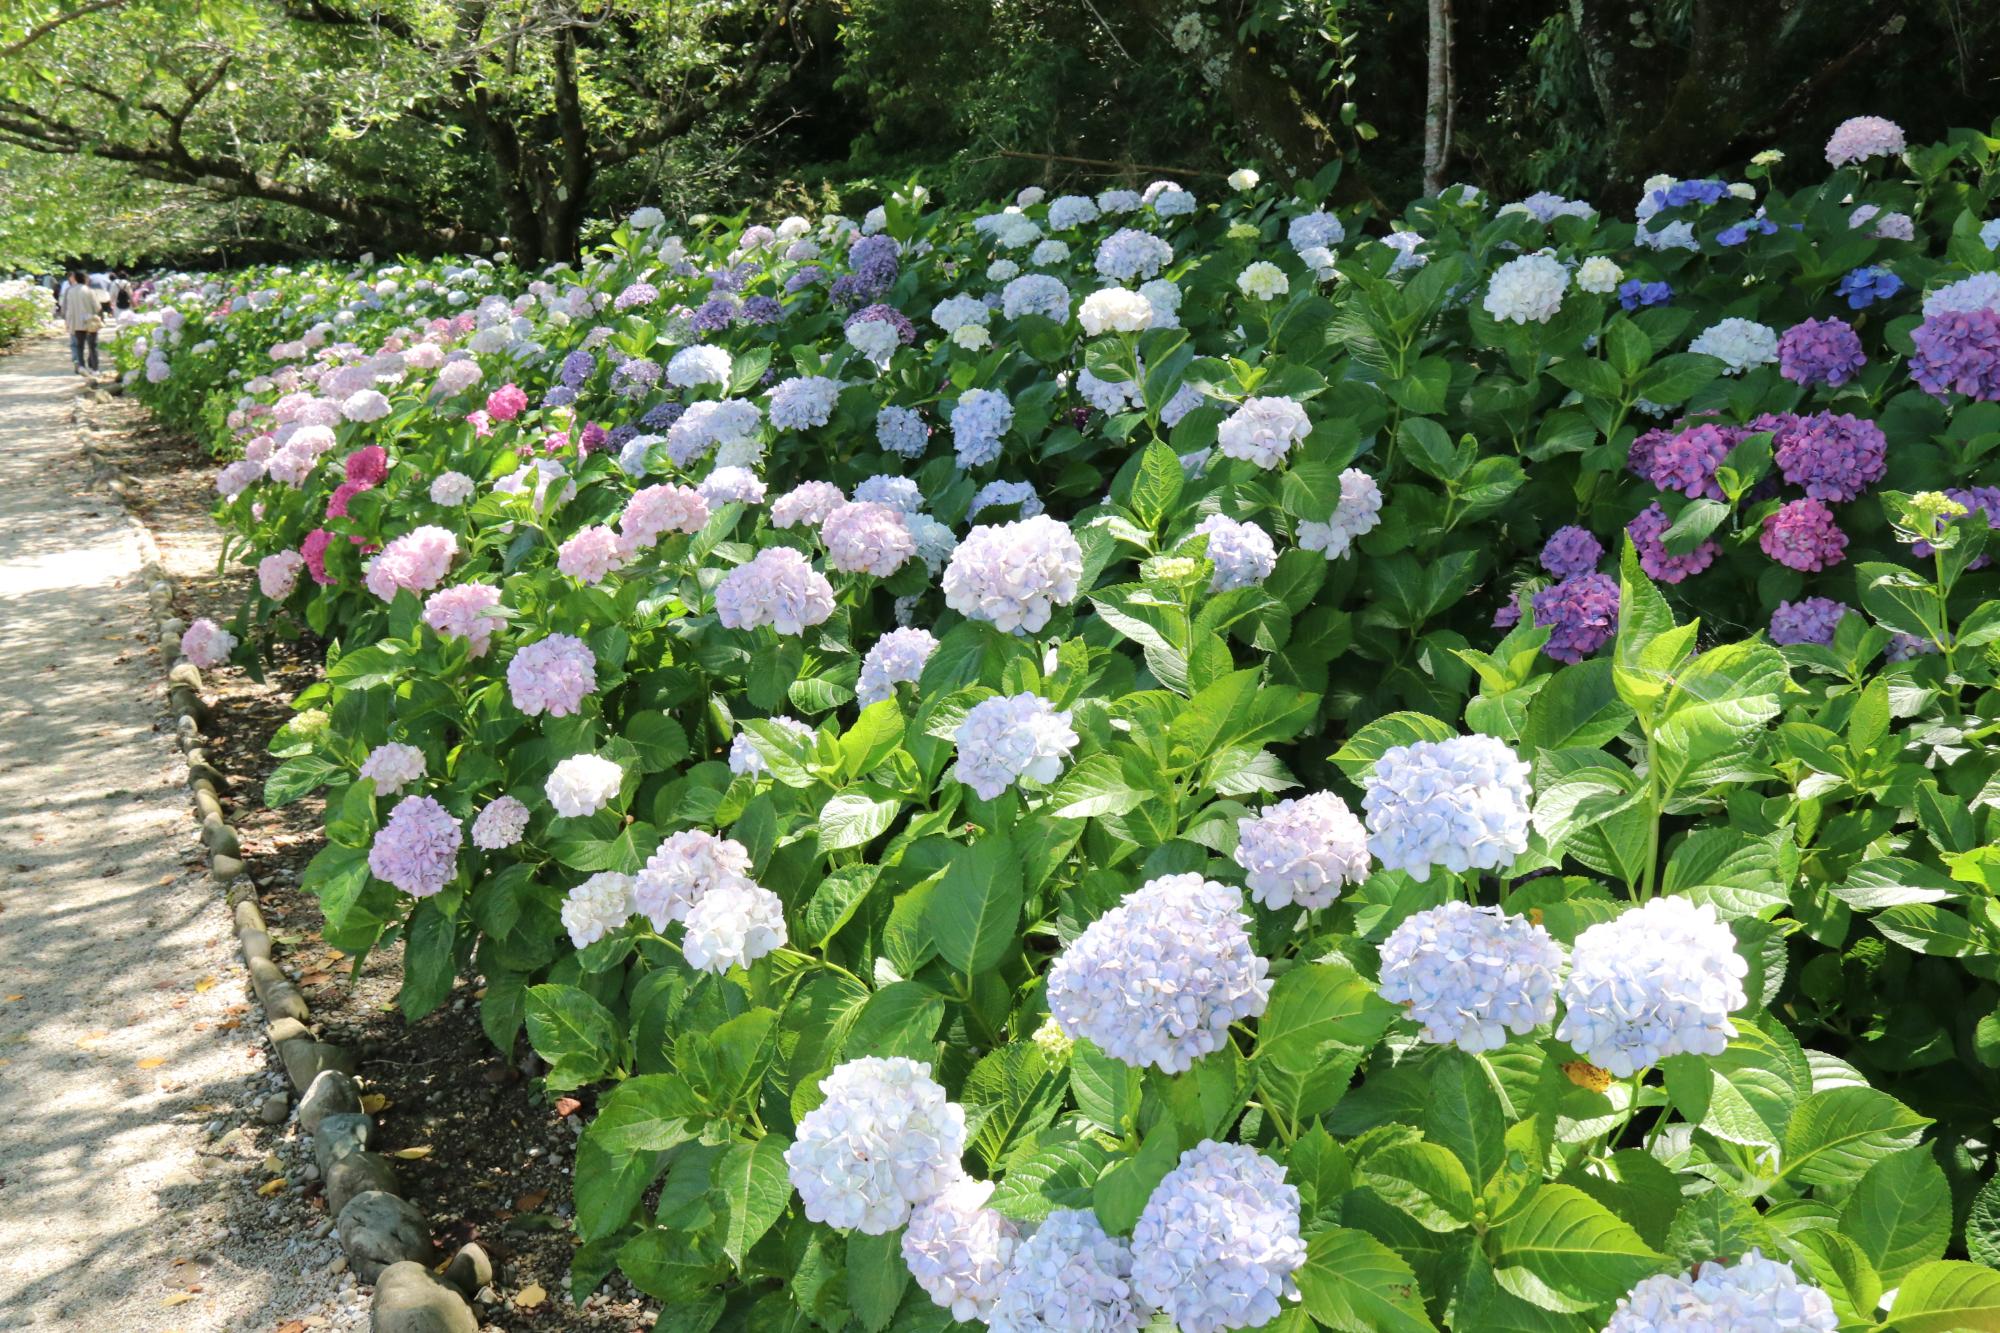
x=1821 y=351
x=313 y=551
x=1571 y=551
x=368 y=465
x=336 y=504
x=552 y=675
x=417 y=849
x=506 y=402
x=1687 y=462
x=1958 y=351
x=1803 y=536
x=465 y=612
x=1582 y=614
x=1646 y=532
x=1808 y=620
x=1832 y=456
x=1639 y=455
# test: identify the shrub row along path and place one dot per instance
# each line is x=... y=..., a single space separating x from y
x=129 y=1052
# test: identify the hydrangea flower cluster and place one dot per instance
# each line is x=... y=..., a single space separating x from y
x=1010 y=737
x=1802 y=535
x=1821 y=351
x=552 y=675
x=804 y=402
x=1263 y=430
x=1958 y=352
x=1471 y=975
x=1356 y=515
x=1242 y=553
x=1302 y=852
x=1740 y=344
x=1158 y=979
x=685 y=868
x=596 y=907
x=468 y=611
x=897 y=656
x=732 y=925
x=393 y=766
x=978 y=420
x=1581 y=613
x=415 y=561
x=882 y=1140
x=1069 y=1277
x=500 y=824
x=1461 y=804
x=1860 y=138
x=416 y=849
x=779 y=588
x=1014 y=575
x=1658 y=980
x=1648 y=531
x=655 y=511
x=866 y=538
x=1128 y=254
x=207 y=644
x=1570 y=551
x=583 y=784
x=1218 y=1241
x=1831 y=455
x=278 y=574
x=959 y=1250
x=1808 y=620
x=1528 y=290
x=1752 y=1293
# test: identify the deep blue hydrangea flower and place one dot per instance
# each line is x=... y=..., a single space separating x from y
x=761 y=310
x=1634 y=294
x=558 y=395
x=1682 y=193
x=1865 y=286
x=1581 y=612
x=662 y=416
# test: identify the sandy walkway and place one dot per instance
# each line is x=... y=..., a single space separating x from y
x=129 y=1052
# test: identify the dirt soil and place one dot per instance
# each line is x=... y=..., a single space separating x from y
x=487 y=1153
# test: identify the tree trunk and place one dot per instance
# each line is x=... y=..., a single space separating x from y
x=1439 y=101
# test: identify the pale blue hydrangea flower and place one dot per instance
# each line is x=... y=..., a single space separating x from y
x=1659 y=980
x=1127 y=254
x=978 y=420
x=959 y=1250
x=1459 y=804
x=901 y=430
x=1218 y=1241
x=803 y=401
x=897 y=656
x=1069 y=1277
x=1302 y=852
x=1242 y=553
x=1471 y=975
x=1014 y=575
x=1754 y=1294
x=883 y=1140
x=1010 y=737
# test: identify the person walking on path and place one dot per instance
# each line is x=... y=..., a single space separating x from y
x=83 y=316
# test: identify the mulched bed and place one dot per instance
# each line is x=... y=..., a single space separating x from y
x=496 y=1149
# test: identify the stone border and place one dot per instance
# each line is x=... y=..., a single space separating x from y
x=386 y=1238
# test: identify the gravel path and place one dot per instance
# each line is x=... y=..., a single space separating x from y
x=132 y=1060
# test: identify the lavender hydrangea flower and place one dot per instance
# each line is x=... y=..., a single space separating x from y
x=999 y=494
x=1459 y=804
x=1302 y=852
x=1752 y=1293
x=1821 y=351
x=1262 y=430
x=1014 y=575
x=901 y=430
x=898 y=493
x=1958 y=352
x=778 y=588
x=1035 y=294
x=866 y=538
x=958 y=1249
x=1656 y=981
x=417 y=848
x=552 y=675
x=684 y=868
x=1069 y=1277
x=803 y=402
x=1218 y=1241
x=882 y=1140
x=1832 y=456
x=1570 y=551
x=897 y=656
x=1242 y=553
x=393 y=766
x=1582 y=613
x=1010 y=737
x=1808 y=620
x=1471 y=975
x=500 y=824
x=1803 y=535
x=1637 y=294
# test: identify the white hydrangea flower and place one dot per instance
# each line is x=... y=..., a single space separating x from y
x=958 y=1249
x=1242 y=553
x=1527 y=290
x=1471 y=975
x=1599 y=276
x=1013 y=575
x=699 y=364
x=1115 y=310
x=746 y=760
x=451 y=489
x=1740 y=344
x=394 y=766
x=1656 y=981
x=1263 y=430
x=883 y=1140
x=875 y=339
x=1302 y=852
x=1243 y=179
x=1010 y=737
x=1069 y=1277
x=732 y=925
x=596 y=907
x=898 y=655
x=1159 y=978
x=1753 y=1295
x=1263 y=281
x=684 y=868
x=583 y=784
x=1218 y=1241
x=804 y=401
x=1357 y=514
x=1460 y=803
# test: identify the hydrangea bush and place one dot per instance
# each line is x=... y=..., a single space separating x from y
x=1182 y=756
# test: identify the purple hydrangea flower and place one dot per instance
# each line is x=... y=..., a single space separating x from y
x=906 y=332
x=714 y=315
x=1687 y=462
x=810 y=275
x=762 y=310
x=1958 y=351
x=1831 y=456
x=577 y=367
x=1646 y=532
x=1803 y=536
x=1808 y=620
x=1820 y=351
x=558 y=395
x=662 y=416
x=1582 y=613
x=875 y=260
x=1571 y=551
x=638 y=294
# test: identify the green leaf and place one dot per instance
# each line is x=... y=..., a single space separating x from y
x=429 y=960
x=1097 y=786
x=1423 y=1180
x=1565 y=1242
x=1121 y=1192
x=1463 y=1113
x=875 y=735
x=900 y=1019
x=1355 y=1284
x=1317 y=1005
x=1010 y=1095
x=1837 y=1135
x=1157 y=485
x=754 y=1188
x=295 y=777
x=855 y=818
x=1982 y=1225
x=1738 y=874
x=1106 y=1090
x=1357 y=757
x=1715 y=1225
x=835 y=899
x=975 y=910
x=877 y=1277
x=1900 y=1213
x=574 y=1033
x=610 y=1182
x=648 y=1113
x=1947 y=1297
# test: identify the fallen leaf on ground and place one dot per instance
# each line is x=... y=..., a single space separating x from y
x=12 y=998
x=530 y=1201
x=178 y=1298
x=412 y=1154
x=567 y=1105
x=530 y=1296
x=270 y=1187
x=152 y=1062
x=205 y=985
x=292 y=1326
x=374 y=1103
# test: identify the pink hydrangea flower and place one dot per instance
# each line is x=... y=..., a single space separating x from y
x=590 y=554
x=657 y=510
x=552 y=675
x=1861 y=137
x=866 y=538
x=278 y=574
x=336 y=504
x=465 y=612
x=416 y=561
x=506 y=402
x=313 y=551
x=368 y=465
x=207 y=644
x=500 y=824
x=417 y=849
x=1802 y=535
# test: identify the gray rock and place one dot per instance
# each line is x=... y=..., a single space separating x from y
x=331 y=1093
x=307 y=1060
x=358 y=1173
x=378 y=1229
x=340 y=1133
x=287 y=1029
x=471 y=1268
x=409 y=1300
x=275 y=1108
